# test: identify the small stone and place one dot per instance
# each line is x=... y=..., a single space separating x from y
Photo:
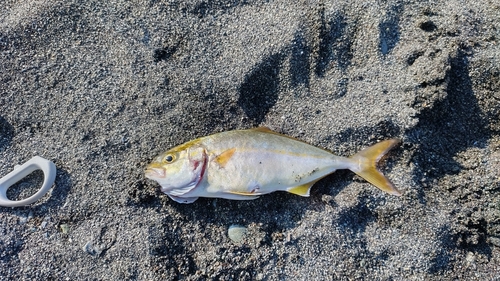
x=64 y=228
x=470 y=258
x=237 y=233
x=23 y=220
x=89 y=248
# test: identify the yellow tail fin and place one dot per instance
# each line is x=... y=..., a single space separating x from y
x=364 y=164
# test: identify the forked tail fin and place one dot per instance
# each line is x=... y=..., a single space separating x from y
x=364 y=164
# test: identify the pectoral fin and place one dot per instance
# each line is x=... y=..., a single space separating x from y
x=224 y=157
x=302 y=190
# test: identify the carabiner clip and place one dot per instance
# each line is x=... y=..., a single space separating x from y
x=35 y=163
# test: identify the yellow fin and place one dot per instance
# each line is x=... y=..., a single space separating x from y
x=364 y=164
x=222 y=158
x=269 y=131
x=244 y=193
x=302 y=190
x=263 y=129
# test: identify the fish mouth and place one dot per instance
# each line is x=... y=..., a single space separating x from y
x=154 y=173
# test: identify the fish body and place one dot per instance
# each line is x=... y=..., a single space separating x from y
x=244 y=164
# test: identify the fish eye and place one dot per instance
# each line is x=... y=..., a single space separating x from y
x=169 y=158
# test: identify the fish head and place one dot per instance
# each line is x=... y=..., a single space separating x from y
x=178 y=170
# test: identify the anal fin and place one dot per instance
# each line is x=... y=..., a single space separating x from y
x=302 y=190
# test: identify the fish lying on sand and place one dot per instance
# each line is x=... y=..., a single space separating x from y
x=244 y=164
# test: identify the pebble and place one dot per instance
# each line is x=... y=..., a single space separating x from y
x=89 y=248
x=64 y=228
x=237 y=233
x=470 y=258
x=23 y=220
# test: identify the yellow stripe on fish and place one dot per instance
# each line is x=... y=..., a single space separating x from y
x=244 y=164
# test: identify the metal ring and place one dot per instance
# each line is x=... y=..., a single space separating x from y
x=35 y=163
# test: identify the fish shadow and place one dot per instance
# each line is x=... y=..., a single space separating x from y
x=277 y=211
x=352 y=223
x=274 y=213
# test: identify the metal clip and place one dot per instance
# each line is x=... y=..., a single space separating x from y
x=35 y=163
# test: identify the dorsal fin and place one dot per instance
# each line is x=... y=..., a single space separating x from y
x=302 y=190
x=269 y=131
x=263 y=129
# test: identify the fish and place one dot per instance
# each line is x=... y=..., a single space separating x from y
x=245 y=164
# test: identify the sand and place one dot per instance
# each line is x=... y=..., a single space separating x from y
x=100 y=88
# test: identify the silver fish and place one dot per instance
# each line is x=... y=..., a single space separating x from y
x=244 y=164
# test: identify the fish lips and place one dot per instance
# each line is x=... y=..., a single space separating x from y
x=155 y=173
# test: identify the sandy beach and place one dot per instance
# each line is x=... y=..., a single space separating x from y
x=102 y=87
